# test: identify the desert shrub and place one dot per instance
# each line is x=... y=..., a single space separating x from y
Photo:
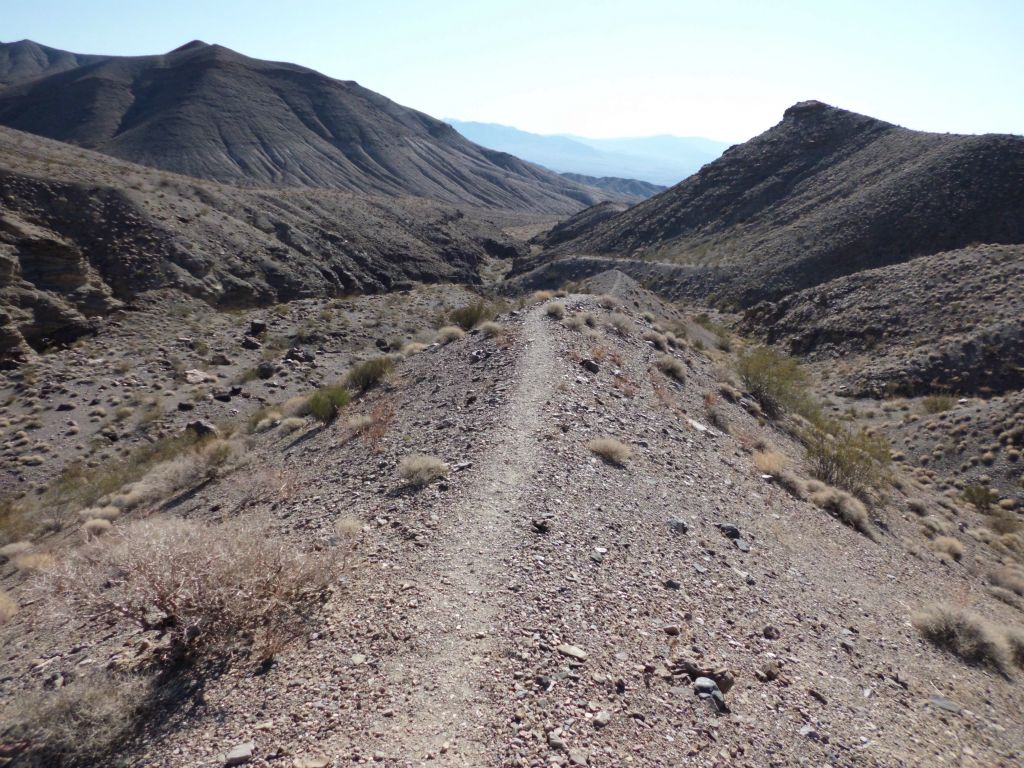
x=854 y=461
x=555 y=310
x=295 y=406
x=608 y=301
x=843 y=506
x=777 y=382
x=965 y=635
x=981 y=497
x=471 y=315
x=936 y=526
x=938 y=403
x=368 y=374
x=543 y=295
x=947 y=545
x=918 y=507
x=1007 y=597
x=620 y=322
x=33 y=562
x=419 y=470
x=327 y=402
x=412 y=348
x=203 y=462
x=109 y=512
x=610 y=450
x=288 y=426
x=671 y=366
x=80 y=724
x=1009 y=578
x=769 y=462
x=15 y=548
x=360 y=422
x=1003 y=522
x=657 y=340
x=491 y=328
x=449 y=333
x=266 y=420
x=96 y=527
x=8 y=608
x=215 y=589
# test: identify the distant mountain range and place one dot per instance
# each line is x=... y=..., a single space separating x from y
x=663 y=160
x=209 y=112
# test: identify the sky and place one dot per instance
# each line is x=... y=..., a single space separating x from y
x=722 y=69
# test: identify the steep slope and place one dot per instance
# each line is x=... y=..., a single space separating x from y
x=632 y=188
x=538 y=605
x=208 y=112
x=949 y=322
x=654 y=159
x=578 y=223
x=824 y=193
x=26 y=60
x=82 y=233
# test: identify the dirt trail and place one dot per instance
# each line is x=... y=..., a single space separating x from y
x=448 y=713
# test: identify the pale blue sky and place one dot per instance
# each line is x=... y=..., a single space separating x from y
x=725 y=69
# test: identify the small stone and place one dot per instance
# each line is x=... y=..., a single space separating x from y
x=672 y=584
x=678 y=525
x=202 y=428
x=241 y=754
x=358 y=658
x=310 y=762
x=579 y=757
x=602 y=718
x=672 y=630
x=257 y=326
x=771 y=633
x=590 y=365
x=572 y=652
x=729 y=530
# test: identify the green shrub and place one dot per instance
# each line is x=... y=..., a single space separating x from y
x=854 y=461
x=777 y=381
x=980 y=496
x=471 y=315
x=369 y=374
x=326 y=402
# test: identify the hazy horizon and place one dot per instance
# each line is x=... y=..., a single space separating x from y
x=590 y=69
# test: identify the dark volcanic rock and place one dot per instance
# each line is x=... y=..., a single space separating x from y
x=824 y=193
x=206 y=111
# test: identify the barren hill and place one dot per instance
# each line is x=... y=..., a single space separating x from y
x=205 y=111
x=824 y=193
x=546 y=542
x=82 y=234
x=26 y=60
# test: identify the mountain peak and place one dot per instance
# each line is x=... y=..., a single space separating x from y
x=190 y=46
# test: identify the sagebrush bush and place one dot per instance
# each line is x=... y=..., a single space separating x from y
x=491 y=328
x=657 y=340
x=1009 y=578
x=419 y=469
x=964 y=634
x=79 y=724
x=449 y=333
x=610 y=449
x=620 y=323
x=326 y=403
x=947 y=545
x=287 y=426
x=202 y=462
x=854 y=461
x=214 y=589
x=555 y=310
x=843 y=506
x=777 y=382
x=96 y=527
x=671 y=367
x=471 y=315
x=608 y=301
x=543 y=295
x=368 y=374
x=769 y=462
